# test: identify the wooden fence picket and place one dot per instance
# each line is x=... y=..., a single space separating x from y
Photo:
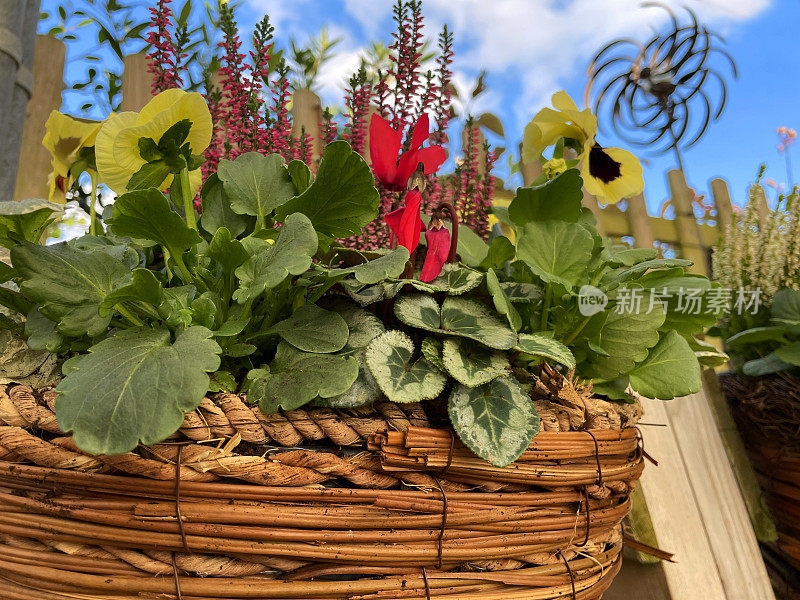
x=48 y=75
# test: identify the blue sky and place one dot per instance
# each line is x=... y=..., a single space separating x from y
x=531 y=48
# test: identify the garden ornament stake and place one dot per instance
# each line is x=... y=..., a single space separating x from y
x=665 y=92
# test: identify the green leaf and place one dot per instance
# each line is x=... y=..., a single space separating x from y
x=557 y=200
x=150 y=175
x=388 y=266
x=669 y=370
x=501 y=301
x=557 y=252
x=114 y=247
x=786 y=305
x=176 y=308
x=290 y=255
x=364 y=327
x=626 y=256
x=256 y=184
x=144 y=287
x=69 y=284
x=217 y=211
x=457 y=316
x=765 y=366
x=342 y=199
x=227 y=252
x=296 y=378
x=41 y=332
x=521 y=292
x=432 y=351
x=471 y=364
x=26 y=220
x=537 y=344
x=402 y=377
x=313 y=329
x=471 y=247
x=497 y=421
x=707 y=354
x=615 y=389
x=455 y=279
x=758 y=334
x=146 y=215
x=300 y=175
x=789 y=354
x=501 y=250
x=626 y=337
x=135 y=387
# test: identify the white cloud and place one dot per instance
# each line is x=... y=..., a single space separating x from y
x=544 y=42
x=370 y=14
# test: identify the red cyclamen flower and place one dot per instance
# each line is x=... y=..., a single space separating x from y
x=406 y=222
x=393 y=168
x=438 y=240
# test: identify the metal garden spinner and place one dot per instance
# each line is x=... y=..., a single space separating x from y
x=662 y=93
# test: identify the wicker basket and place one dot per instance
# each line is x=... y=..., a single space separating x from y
x=767 y=412
x=382 y=503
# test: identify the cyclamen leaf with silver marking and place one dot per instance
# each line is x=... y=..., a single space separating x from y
x=402 y=377
x=472 y=364
x=497 y=421
x=457 y=316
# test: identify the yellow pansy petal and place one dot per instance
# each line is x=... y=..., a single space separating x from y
x=549 y=125
x=166 y=109
x=629 y=181
x=159 y=103
x=65 y=136
x=195 y=181
x=113 y=174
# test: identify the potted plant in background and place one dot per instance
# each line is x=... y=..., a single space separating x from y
x=250 y=406
x=758 y=258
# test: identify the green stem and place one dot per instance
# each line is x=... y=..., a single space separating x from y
x=129 y=315
x=188 y=199
x=92 y=212
x=548 y=300
x=575 y=333
x=187 y=276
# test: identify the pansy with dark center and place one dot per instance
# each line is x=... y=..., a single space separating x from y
x=602 y=166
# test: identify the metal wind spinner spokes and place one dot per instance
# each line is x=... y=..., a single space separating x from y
x=662 y=80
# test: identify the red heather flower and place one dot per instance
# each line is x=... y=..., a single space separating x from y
x=438 y=240
x=406 y=222
x=385 y=144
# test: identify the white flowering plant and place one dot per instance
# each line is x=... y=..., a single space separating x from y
x=759 y=254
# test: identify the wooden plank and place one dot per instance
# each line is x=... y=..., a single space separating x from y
x=691 y=244
x=722 y=201
x=639 y=223
x=616 y=224
x=725 y=521
x=136 y=82
x=675 y=513
x=307 y=116
x=760 y=518
x=48 y=76
x=529 y=170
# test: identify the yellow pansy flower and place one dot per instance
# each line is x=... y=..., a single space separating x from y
x=548 y=126
x=610 y=174
x=65 y=137
x=117 y=147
